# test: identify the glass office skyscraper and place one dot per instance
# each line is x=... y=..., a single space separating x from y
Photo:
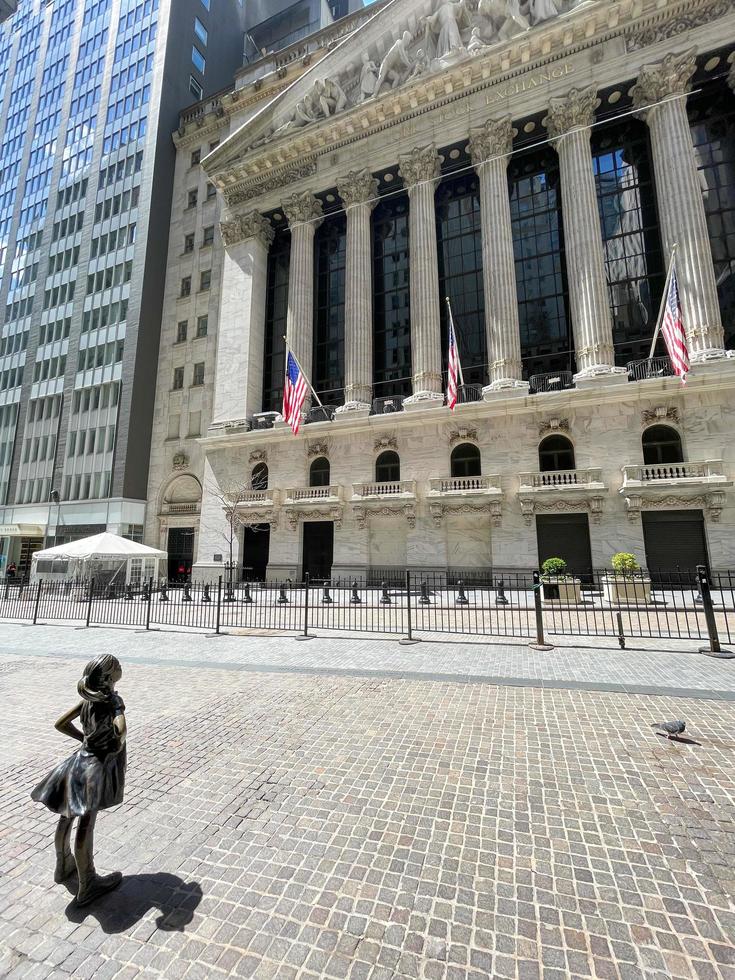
x=90 y=91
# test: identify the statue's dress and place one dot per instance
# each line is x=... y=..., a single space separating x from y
x=93 y=778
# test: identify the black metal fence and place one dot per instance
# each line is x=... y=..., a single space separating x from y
x=513 y=604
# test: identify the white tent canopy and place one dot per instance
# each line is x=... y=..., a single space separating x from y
x=104 y=557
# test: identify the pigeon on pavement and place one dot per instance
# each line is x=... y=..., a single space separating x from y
x=671 y=729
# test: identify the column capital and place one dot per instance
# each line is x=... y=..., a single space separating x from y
x=491 y=141
x=731 y=76
x=575 y=111
x=421 y=164
x=244 y=226
x=302 y=208
x=358 y=187
x=664 y=79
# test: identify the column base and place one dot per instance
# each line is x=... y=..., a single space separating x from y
x=710 y=354
x=505 y=386
x=422 y=400
x=601 y=374
x=208 y=571
x=354 y=410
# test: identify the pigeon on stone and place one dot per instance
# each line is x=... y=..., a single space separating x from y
x=671 y=729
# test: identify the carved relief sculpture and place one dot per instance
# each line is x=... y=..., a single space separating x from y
x=396 y=66
x=542 y=10
x=368 y=77
x=443 y=28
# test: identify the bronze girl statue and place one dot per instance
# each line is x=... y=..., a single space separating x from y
x=90 y=780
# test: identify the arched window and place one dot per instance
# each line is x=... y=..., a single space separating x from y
x=661 y=444
x=319 y=472
x=259 y=478
x=388 y=468
x=556 y=453
x=465 y=460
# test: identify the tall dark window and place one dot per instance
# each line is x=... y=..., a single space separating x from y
x=634 y=266
x=319 y=472
x=388 y=467
x=538 y=243
x=276 y=307
x=459 y=238
x=661 y=444
x=712 y=117
x=392 y=309
x=465 y=460
x=556 y=453
x=329 y=309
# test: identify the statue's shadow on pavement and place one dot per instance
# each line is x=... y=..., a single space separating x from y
x=121 y=909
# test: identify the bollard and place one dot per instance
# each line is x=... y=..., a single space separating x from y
x=247 y=597
x=218 y=619
x=282 y=597
x=409 y=636
x=145 y=593
x=326 y=597
x=90 y=597
x=540 y=643
x=229 y=594
x=149 y=589
x=424 y=600
x=355 y=598
x=110 y=594
x=462 y=599
x=500 y=598
x=187 y=593
x=621 y=634
x=163 y=597
x=38 y=601
x=206 y=597
x=705 y=590
x=385 y=599
x=128 y=593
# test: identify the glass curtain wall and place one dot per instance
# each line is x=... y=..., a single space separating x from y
x=329 y=309
x=392 y=304
x=276 y=308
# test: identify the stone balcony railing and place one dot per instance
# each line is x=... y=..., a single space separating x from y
x=190 y=508
x=671 y=475
x=560 y=480
x=465 y=486
x=258 y=498
x=312 y=495
x=381 y=490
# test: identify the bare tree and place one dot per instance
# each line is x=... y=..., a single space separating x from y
x=231 y=496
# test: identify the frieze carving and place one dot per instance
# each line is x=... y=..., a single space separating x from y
x=181 y=461
x=462 y=435
x=594 y=506
x=680 y=25
x=407 y=511
x=324 y=99
x=553 y=425
x=660 y=414
x=494 y=508
x=258 y=456
x=358 y=187
x=420 y=165
x=666 y=78
x=317 y=449
x=254 y=517
x=245 y=226
x=575 y=111
x=300 y=208
x=319 y=513
x=385 y=442
x=241 y=195
x=712 y=503
x=493 y=140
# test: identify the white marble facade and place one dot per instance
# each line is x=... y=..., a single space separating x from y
x=419 y=75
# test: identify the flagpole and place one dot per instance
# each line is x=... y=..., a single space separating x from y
x=311 y=386
x=664 y=299
x=456 y=342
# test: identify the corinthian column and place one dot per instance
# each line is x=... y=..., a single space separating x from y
x=419 y=170
x=238 y=386
x=661 y=97
x=304 y=214
x=569 y=124
x=731 y=76
x=490 y=148
x=359 y=191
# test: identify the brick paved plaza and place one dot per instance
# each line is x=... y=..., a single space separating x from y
x=352 y=808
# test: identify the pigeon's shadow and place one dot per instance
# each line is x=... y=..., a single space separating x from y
x=678 y=738
x=119 y=910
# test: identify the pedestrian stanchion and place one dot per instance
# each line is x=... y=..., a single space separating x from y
x=128 y=594
x=247 y=597
x=385 y=599
x=326 y=597
x=705 y=590
x=187 y=593
x=462 y=599
x=163 y=595
x=540 y=643
x=206 y=597
x=282 y=599
x=501 y=598
x=355 y=598
x=424 y=600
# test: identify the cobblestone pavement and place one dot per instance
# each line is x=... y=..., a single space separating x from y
x=316 y=823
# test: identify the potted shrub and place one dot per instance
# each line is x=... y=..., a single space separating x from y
x=627 y=583
x=557 y=585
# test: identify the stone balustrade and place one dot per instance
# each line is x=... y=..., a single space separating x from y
x=389 y=488
x=560 y=479
x=304 y=495
x=258 y=498
x=465 y=486
x=709 y=471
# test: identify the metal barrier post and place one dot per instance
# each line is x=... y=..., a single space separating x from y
x=89 y=603
x=409 y=638
x=540 y=643
x=305 y=634
x=148 y=604
x=705 y=590
x=219 y=604
x=38 y=602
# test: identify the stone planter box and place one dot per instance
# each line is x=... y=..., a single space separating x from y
x=565 y=590
x=624 y=590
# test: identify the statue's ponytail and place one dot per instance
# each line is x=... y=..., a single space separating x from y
x=93 y=685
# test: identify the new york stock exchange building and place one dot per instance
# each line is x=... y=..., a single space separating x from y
x=535 y=163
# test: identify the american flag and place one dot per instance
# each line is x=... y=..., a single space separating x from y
x=673 y=331
x=294 y=393
x=453 y=365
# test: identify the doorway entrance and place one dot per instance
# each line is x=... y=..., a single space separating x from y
x=566 y=536
x=180 y=553
x=318 y=549
x=675 y=544
x=256 y=546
